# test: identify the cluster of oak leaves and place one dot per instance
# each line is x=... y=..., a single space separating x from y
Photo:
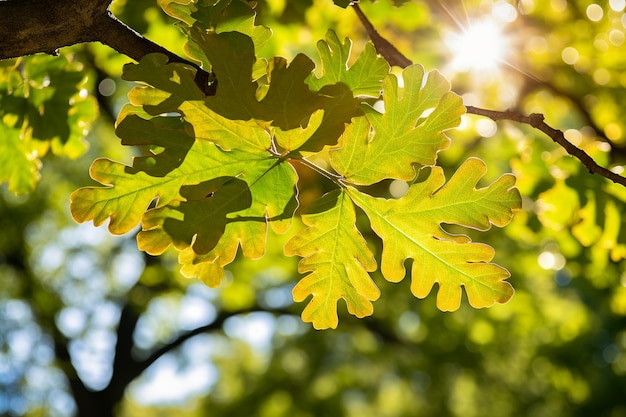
x=218 y=171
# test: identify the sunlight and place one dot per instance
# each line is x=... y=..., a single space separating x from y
x=480 y=47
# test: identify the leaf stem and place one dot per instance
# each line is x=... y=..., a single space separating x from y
x=337 y=179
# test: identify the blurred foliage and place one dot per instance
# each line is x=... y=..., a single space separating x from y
x=44 y=104
x=558 y=348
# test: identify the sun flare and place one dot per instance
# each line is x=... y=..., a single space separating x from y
x=480 y=47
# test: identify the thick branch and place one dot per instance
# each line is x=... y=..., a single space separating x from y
x=537 y=121
x=125 y=368
x=32 y=26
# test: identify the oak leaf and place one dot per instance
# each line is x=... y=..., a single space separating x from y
x=410 y=227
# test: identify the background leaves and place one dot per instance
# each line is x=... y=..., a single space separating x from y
x=45 y=105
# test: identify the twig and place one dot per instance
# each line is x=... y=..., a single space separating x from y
x=382 y=45
x=535 y=120
x=616 y=149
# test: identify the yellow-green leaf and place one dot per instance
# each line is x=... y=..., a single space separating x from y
x=292 y=139
x=409 y=132
x=238 y=206
x=364 y=76
x=18 y=164
x=128 y=191
x=410 y=227
x=338 y=259
x=208 y=233
x=228 y=134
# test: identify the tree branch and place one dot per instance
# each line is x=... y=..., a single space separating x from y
x=125 y=368
x=218 y=323
x=382 y=45
x=537 y=121
x=33 y=26
x=617 y=149
x=395 y=57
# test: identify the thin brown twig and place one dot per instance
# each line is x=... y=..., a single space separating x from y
x=382 y=45
x=535 y=120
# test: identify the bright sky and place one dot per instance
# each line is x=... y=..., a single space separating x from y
x=479 y=44
x=480 y=47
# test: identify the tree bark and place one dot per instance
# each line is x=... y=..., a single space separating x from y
x=32 y=26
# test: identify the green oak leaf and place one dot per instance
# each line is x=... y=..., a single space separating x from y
x=166 y=140
x=410 y=227
x=168 y=84
x=216 y=16
x=126 y=195
x=128 y=192
x=249 y=201
x=273 y=202
x=232 y=58
x=17 y=166
x=250 y=135
x=289 y=100
x=207 y=268
x=338 y=260
x=409 y=132
x=45 y=105
x=339 y=109
x=199 y=219
x=290 y=140
x=364 y=76
x=286 y=102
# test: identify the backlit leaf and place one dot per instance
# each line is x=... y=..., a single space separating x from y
x=410 y=227
x=294 y=138
x=388 y=145
x=259 y=195
x=128 y=192
x=16 y=167
x=338 y=261
x=168 y=84
x=218 y=16
x=273 y=201
x=287 y=102
x=45 y=105
x=364 y=76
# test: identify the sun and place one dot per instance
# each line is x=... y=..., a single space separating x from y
x=480 y=47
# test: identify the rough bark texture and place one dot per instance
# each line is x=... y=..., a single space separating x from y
x=33 y=26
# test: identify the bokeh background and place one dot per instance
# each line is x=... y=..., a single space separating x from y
x=88 y=320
